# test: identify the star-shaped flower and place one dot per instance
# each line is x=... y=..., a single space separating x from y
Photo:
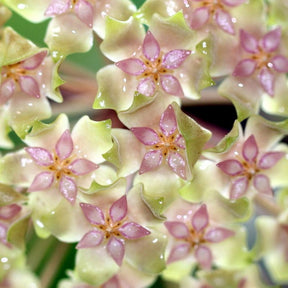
x=111 y=228
x=61 y=166
x=154 y=69
x=262 y=58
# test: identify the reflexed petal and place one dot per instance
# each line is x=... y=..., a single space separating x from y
x=218 y=234
x=245 y=68
x=250 y=149
x=239 y=188
x=200 y=219
x=174 y=58
x=68 y=188
x=233 y=3
x=267 y=81
x=146 y=135
x=40 y=155
x=9 y=211
x=93 y=214
x=116 y=249
x=248 y=42
x=34 y=61
x=7 y=89
x=30 y=86
x=231 y=167
x=200 y=17
x=150 y=48
x=57 y=7
x=280 y=63
x=271 y=40
x=146 y=87
x=90 y=239
x=41 y=181
x=179 y=252
x=171 y=85
x=204 y=256
x=132 y=230
x=168 y=122
x=262 y=184
x=152 y=160
x=224 y=21
x=177 y=229
x=178 y=164
x=82 y=166
x=132 y=66
x=270 y=159
x=84 y=11
x=118 y=210
x=64 y=145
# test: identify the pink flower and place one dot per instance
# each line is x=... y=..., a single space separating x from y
x=154 y=68
x=247 y=168
x=83 y=9
x=194 y=235
x=21 y=75
x=204 y=11
x=111 y=228
x=165 y=143
x=262 y=58
x=61 y=166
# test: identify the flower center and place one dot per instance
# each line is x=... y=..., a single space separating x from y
x=262 y=59
x=12 y=71
x=110 y=228
x=250 y=169
x=212 y=5
x=60 y=167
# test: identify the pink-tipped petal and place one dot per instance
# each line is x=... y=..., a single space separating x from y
x=150 y=48
x=132 y=66
x=178 y=164
x=68 y=189
x=116 y=249
x=200 y=219
x=245 y=68
x=179 y=252
x=93 y=214
x=64 y=145
x=199 y=18
x=168 y=122
x=233 y=3
x=248 y=42
x=280 y=63
x=9 y=211
x=180 y=141
x=231 y=167
x=239 y=188
x=269 y=159
x=118 y=210
x=171 y=85
x=7 y=89
x=267 y=81
x=112 y=283
x=82 y=166
x=177 y=229
x=262 y=184
x=41 y=156
x=271 y=40
x=174 y=58
x=57 y=7
x=152 y=160
x=204 y=256
x=42 y=181
x=29 y=86
x=146 y=135
x=91 y=239
x=85 y=12
x=34 y=61
x=3 y=234
x=250 y=149
x=146 y=87
x=224 y=21
x=132 y=230
x=218 y=234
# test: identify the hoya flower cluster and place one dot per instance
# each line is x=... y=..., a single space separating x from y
x=146 y=195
